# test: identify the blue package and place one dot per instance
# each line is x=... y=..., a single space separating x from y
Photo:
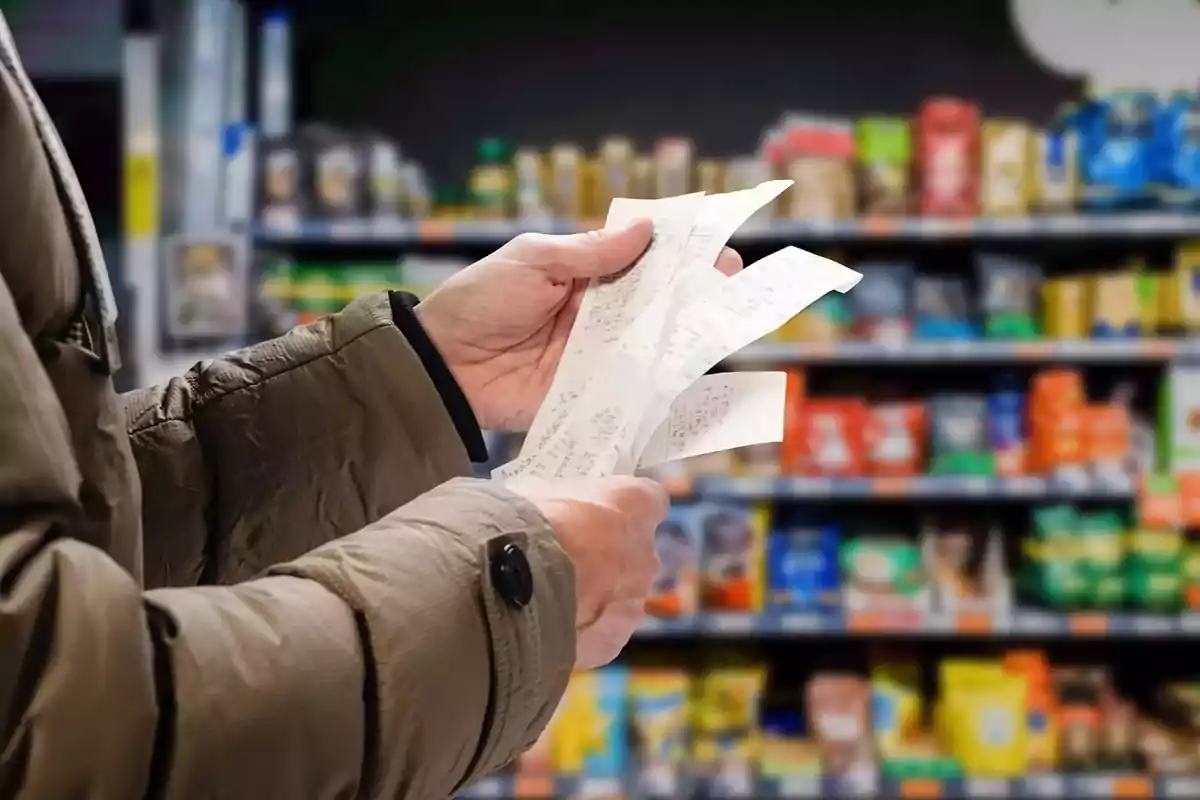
x=941 y=309
x=1006 y=415
x=1177 y=151
x=881 y=305
x=802 y=568
x=608 y=760
x=1117 y=150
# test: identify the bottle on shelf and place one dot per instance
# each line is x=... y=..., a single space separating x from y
x=491 y=183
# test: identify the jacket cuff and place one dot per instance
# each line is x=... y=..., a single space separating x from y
x=467 y=609
x=451 y=393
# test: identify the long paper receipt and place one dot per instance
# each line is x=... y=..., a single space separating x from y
x=631 y=390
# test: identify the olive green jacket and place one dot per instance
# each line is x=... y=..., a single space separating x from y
x=349 y=642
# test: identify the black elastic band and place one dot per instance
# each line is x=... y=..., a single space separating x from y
x=443 y=380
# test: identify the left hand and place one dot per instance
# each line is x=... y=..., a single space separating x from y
x=502 y=324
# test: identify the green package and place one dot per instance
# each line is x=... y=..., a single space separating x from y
x=1054 y=571
x=884 y=152
x=1152 y=590
x=883 y=563
x=316 y=292
x=1155 y=550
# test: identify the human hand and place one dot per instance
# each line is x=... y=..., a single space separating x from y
x=606 y=527
x=502 y=324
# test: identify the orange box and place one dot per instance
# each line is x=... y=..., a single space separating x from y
x=1189 y=498
x=1058 y=441
x=793 y=453
x=894 y=438
x=1054 y=390
x=1106 y=432
x=833 y=438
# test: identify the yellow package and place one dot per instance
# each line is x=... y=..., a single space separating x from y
x=957 y=673
x=659 y=701
x=1151 y=303
x=988 y=727
x=1064 y=303
x=1185 y=282
x=725 y=718
x=895 y=706
x=582 y=726
x=1115 y=304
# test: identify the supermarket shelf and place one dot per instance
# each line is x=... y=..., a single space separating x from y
x=1019 y=623
x=1097 y=786
x=1082 y=351
x=402 y=232
x=947 y=487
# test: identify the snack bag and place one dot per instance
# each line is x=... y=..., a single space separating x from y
x=839 y=712
x=885 y=155
x=833 y=435
x=675 y=591
x=959 y=436
x=1006 y=427
x=1056 y=164
x=726 y=724
x=732 y=545
x=1007 y=177
x=987 y=725
x=881 y=304
x=591 y=725
x=803 y=569
x=941 y=308
x=1009 y=289
x=894 y=438
x=659 y=701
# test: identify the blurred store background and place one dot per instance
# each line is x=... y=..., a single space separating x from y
x=969 y=569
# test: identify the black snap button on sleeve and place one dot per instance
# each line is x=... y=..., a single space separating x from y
x=512 y=576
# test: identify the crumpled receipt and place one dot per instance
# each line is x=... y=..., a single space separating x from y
x=631 y=391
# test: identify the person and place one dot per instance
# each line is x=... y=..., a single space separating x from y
x=267 y=578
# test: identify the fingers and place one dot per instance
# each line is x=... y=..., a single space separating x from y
x=729 y=262
x=582 y=256
x=644 y=502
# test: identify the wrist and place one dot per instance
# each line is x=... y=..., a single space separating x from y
x=408 y=318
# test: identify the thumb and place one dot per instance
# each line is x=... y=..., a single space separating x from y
x=582 y=256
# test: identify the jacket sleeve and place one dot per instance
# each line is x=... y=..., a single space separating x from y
x=384 y=664
x=262 y=455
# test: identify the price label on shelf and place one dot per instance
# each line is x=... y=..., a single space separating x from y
x=1036 y=622
x=730 y=623
x=800 y=623
x=1091 y=786
x=800 y=786
x=733 y=783
x=1043 y=786
x=488 y=787
x=1152 y=624
x=1180 y=788
x=986 y=787
x=1189 y=623
x=599 y=788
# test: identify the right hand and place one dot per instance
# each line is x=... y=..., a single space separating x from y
x=606 y=527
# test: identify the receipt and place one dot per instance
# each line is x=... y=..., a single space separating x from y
x=720 y=412
x=717 y=221
x=593 y=439
x=610 y=307
x=741 y=310
x=689 y=233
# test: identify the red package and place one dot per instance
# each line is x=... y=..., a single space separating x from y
x=894 y=439
x=833 y=438
x=793 y=451
x=947 y=157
